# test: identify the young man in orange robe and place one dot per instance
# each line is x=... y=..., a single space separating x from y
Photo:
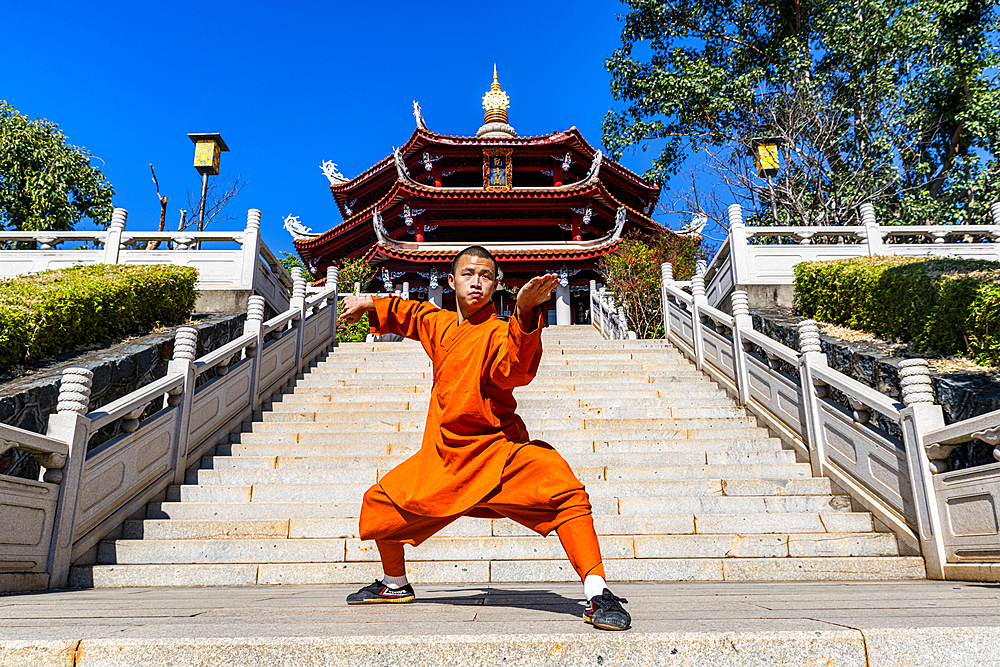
x=476 y=458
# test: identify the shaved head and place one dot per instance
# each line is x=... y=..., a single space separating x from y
x=477 y=251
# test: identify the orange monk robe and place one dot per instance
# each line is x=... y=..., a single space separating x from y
x=471 y=428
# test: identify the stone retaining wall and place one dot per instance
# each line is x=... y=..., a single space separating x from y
x=26 y=402
x=961 y=395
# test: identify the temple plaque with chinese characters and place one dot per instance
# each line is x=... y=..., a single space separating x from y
x=497 y=168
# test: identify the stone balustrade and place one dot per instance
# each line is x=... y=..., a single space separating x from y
x=761 y=260
x=226 y=278
x=84 y=495
x=608 y=318
x=890 y=456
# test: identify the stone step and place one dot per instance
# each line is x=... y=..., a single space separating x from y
x=587 y=475
x=610 y=427
x=524 y=571
x=531 y=416
x=333 y=401
x=377 y=444
x=352 y=492
x=264 y=463
x=506 y=548
x=821 y=502
x=677 y=524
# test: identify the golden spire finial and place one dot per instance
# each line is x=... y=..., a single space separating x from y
x=495 y=102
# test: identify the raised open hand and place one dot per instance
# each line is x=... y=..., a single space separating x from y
x=534 y=292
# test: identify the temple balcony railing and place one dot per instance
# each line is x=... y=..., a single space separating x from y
x=607 y=317
x=226 y=277
x=761 y=260
x=890 y=457
x=166 y=427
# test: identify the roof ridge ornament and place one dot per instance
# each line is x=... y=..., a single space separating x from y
x=419 y=117
x=298 y=231
x=329 y=169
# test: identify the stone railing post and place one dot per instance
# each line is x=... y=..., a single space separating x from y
x=298 y=302
x=919 y=416
x=873 y=235
x=601 y=298
x=995 y=213
x=699 y=300
x=593 y=295
x=811 y=356
x=741 y=322
x=70 y=425
x=182 y=362
x=666 y=278
x=113 y=241
x=332 y=277
x=255 y=325
x=251 y=251
x=357 y=289
x=405 y=291
x=738 y=245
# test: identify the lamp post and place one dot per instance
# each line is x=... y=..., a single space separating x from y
x=208 y=146
x=765 y=159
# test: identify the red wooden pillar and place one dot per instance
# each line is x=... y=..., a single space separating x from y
x=437 y=174
x=418 y=224
x=577 y=232
x=557 y=175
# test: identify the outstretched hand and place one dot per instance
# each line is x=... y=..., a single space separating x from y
x=353 y=308
x=535 y=292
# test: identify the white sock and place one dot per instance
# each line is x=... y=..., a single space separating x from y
x=593 y=586
x=399 y=582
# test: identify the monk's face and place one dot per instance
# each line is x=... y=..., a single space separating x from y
x=473 y=281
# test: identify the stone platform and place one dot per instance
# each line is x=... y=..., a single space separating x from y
x=847 y=624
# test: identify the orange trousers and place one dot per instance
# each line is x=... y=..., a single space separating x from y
x=537 y=490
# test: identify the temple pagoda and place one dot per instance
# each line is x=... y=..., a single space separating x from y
x=548 y=203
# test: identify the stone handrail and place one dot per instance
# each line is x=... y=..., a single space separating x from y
x=606 y=317
x=889 y=456
x=741 y=262
x=250 y=268
x=164 y=427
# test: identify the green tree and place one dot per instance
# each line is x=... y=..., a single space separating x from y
x=351 y=271
x=633 y=274
x=46 y=183
x=290 y=261
x=885 y=100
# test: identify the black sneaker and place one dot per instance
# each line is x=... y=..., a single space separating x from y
x=379 y=593
x=605 y=611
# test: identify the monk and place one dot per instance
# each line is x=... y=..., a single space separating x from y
x=476 y=458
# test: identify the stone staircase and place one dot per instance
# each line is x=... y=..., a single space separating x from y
x=685 y=485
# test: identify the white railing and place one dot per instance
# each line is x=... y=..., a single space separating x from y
x=889 y=456
x=251 y=268
x=606 y=317
x=742 y=262
x=85 y=495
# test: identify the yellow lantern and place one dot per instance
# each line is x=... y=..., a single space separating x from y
x=208 y=147
x=765 y=155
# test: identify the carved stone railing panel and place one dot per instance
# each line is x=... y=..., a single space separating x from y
x=45 y=526
x=251 y=267
x=752 y=256
x=889 y=456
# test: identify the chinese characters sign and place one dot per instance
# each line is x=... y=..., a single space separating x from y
x=497 y=168
x=206 y=157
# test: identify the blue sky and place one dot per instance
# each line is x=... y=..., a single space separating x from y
x=291 y=84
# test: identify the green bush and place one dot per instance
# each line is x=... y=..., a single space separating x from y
x=633 y=273
x=55 y=311
x=944 y=306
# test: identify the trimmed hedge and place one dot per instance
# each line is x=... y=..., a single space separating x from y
x=944 y=306
x=55 y=311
